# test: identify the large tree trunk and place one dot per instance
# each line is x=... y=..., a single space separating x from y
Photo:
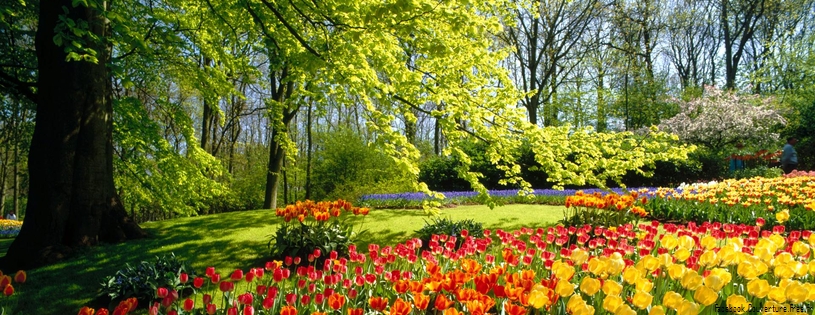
x=72 y=201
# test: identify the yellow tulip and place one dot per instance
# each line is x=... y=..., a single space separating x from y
x=584 y=309
x=738 y=304
x=677 y=271
x=708 y=242
x=579 y=257
x=598 y=266
x=612 y=302
x=631 y=275
x=590 y=286
x=811 y=240
x=687 y=242
x=682 y=254
x=688 y=308
x=657 y=310
x=625 y=310
x=783 y=271
x=783 y=258
x=669 y=242
x=714 y=282
x=705 y=296
x=709 y=258
x=782 y=216
x=642 y=299
x=691 y=281
x=777 y=294
x=672 y=299
x=811 y=291
x=644 y=285
x=650 y=263
x=564 y=288
x=562 y=270
x=796 y=293
x=799 y=268
x=811 y=265
x=778 y=240
x=727 y=255
x=758 y=288
x=612 y=288
x=538 y=298
x=574 y=302
x=800 y=248
x=666 y=260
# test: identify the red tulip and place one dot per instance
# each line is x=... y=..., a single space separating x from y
x=226 y=286
x=232 y=311
x=20 y=276
x=215 y=278
x=355 y=311
x=236 y=275
x=9 y=290
x=183 y=277
x=291 y=298
x=305 y=299
x=85 y=311
x=319 y=298
x=104 y=311
x=161 y=293
x=250 y=276
x=153 y=310
x=210 y=271
x=198 y=282
x=189 y=305
x=267 y=303
x=211 y=309
x=246 y=298
x=167 y=301
x=4 y=281
x=207 y=299
x=248 y=310
x=172 y=312
x=288 y=260
x=297 y=260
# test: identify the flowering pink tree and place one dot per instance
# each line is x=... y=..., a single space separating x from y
x=722 y=118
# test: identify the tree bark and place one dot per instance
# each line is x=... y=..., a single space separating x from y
x=72 y=200
x=309 y=146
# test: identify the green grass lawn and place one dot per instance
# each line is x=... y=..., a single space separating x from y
x=229 y=241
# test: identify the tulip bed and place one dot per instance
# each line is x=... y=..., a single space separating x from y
x=10 y=228
x=787 y=201
x=646 y=268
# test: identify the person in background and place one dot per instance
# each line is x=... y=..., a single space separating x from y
x=789 y=158
x=11 y=216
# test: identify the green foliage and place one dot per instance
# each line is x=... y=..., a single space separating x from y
x=445 y=226
x=701 y=165
x=153 y=174
x=300 y=240
x=345 y=167
x=142 y=280
x=760 y=171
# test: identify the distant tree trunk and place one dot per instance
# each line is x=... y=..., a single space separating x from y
x=72 y=200
x=206 y=119
x=281 y=92
x=3 y=172
x=309 y=147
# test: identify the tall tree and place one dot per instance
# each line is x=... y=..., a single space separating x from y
x=739 y=20
x=71 y=194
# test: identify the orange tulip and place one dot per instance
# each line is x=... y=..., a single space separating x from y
x=9 y=290
x=86 y=311
x=336 y=301
x=442 y=302
x=512 y=309
x=288 y=310
x=400 y=307
x=355 y=311
x=20 y=277
x=4 y=281
x=420 y=301
x=378 y=303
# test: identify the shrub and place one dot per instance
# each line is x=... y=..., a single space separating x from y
x=445 y=226
x=309 y=226
x=142 y=280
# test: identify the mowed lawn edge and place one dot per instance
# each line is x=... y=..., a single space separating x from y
x=232 y=240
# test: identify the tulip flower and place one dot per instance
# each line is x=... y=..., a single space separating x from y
x=20 y=276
